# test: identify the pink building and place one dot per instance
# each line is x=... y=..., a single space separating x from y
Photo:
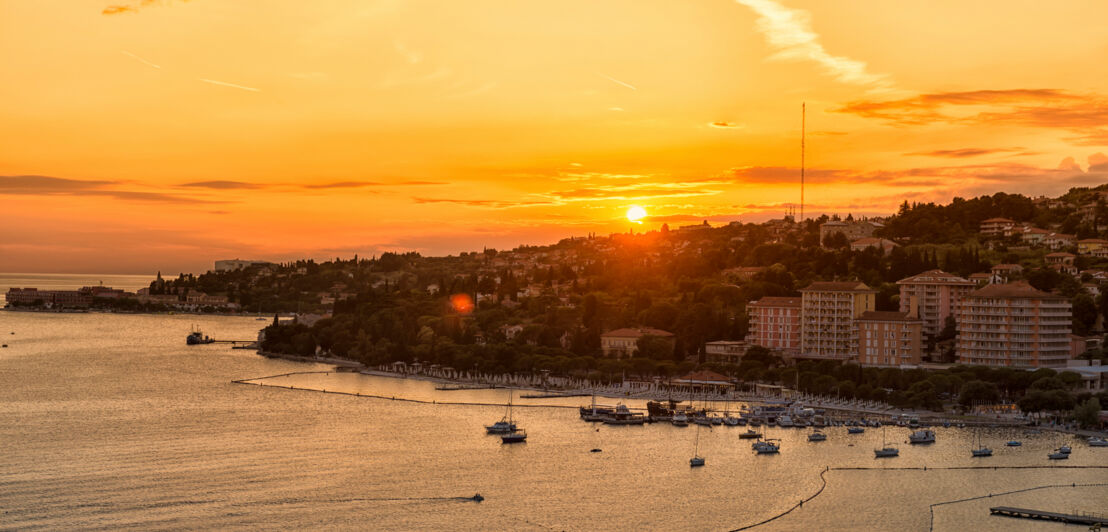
x=775 y=323
x=1014 y=325
x=938 y=293
x=889 y=339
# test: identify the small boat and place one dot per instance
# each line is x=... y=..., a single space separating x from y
x=1014 y=443
x=696 y=460
x=519 y=436
x=855 y=430
x=505 y=425
x=1065 y=449
x=680 y=420
x=785 y=421
x=981 y=451
x=750 y=434
x=1058 y=455
x=885 y=451
x=731 y=421
x=196 y=337
x=766 y=447
x=1097 y=442
x=702 y=420
x=716 y=420
x=922 y=436
x=816 y=435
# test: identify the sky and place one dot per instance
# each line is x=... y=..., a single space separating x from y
x=145 y=135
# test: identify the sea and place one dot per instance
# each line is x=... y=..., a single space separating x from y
x=110 y=421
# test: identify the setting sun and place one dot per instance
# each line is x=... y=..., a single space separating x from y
x=636 y=213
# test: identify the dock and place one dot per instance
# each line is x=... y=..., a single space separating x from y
x=1082 y=519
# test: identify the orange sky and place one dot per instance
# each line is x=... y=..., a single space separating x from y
x=163 y=134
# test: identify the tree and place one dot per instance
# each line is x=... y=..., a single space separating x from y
x=1084 y=314
x=975 y=392
x=654 y=347
x=1087 y=413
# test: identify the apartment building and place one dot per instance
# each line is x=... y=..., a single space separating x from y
x=828 y=311
x=938 y=294
x=775 y=324
x=997 y=227
x=889 y=338
x=1014 y=325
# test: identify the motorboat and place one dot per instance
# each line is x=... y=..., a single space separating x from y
x=816 y=435
x=785 y=421
x=766 y=447
x=750 y=434
x=1097 y=442
x=982 y=452
x=518 y=436
x=1065 y=449
x=855 y=430
x=623 y=416
x=922 y=436
x=1058 y=455
x=680 y=420
x=696 y=461
x=731 y=421
x=196 y=337
x=1014 y=443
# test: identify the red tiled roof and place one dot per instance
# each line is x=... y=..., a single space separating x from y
x=880 y=315
x=1016 y=290
x=636 y=333
x=837 y=286
x=770 y=301
x=934 y=276
x=992 y=220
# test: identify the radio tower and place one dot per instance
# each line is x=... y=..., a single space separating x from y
x=803 y=112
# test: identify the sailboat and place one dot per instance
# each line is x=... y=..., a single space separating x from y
x=885 y=451
x=981 y=451
x=696 y=460
x=505 y=425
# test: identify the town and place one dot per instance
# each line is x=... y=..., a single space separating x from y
x=1000 y=282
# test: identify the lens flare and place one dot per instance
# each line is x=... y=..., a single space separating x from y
x=636 y=213
x=462 y=303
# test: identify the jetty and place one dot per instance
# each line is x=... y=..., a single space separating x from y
x=1075 y=519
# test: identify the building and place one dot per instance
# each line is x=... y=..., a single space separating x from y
x=1060 y=258
x=49 y=298
x=725 y=351
x=1006 y=272
x=1090 y=246
x=827 y=313
x=981 y=278
x=1034 y=236
x=775 y=324
x=938 y=294
x=997 y=226
x=851 y=230
x=1058 y=241
x=863 y=244
x=889 y=339
x=1014 y=325
x=624 y=342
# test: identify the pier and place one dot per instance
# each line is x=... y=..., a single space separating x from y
x=1082 y=519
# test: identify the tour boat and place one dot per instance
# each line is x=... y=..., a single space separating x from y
x=196 y=337
x=922 y=436
x=594 y=413
x=624 y=416
x=885 y=451
x=816 y=435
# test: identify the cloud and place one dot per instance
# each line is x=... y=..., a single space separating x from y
x=359 y=184
x=232 y=85
x=139 y=59
x=133 y=7
x=491 y=204
x=618 y=82
x=36 y=185
x=223 y=185
x=632 y=191
x=617 y=109
x=725 y=125
x=1083 y=114
x=789 y=31
x=966 y=152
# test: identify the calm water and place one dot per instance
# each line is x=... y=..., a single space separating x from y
x=111 y=421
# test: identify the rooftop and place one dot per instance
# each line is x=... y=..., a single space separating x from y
x=837 y=286
x=1016 y=290
x=935 y=276
x=770 y=301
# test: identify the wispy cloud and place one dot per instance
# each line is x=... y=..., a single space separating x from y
x=789 y=31
x=962 y=153
x=139 y=59
x=618 y=82
x=490 y=204
x=1085 y=115
x=132 y=7
x=223 y=185
x=232 y=85
x=721 y=124
x=37 y=185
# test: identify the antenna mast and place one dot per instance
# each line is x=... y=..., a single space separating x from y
x=803 y=112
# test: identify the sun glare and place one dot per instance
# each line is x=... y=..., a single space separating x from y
x=636 y=213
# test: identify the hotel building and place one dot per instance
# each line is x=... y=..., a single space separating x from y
x=1014 y=325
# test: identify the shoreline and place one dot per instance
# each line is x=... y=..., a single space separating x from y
x=618 y=392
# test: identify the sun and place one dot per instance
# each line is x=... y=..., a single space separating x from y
x=636 y=214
